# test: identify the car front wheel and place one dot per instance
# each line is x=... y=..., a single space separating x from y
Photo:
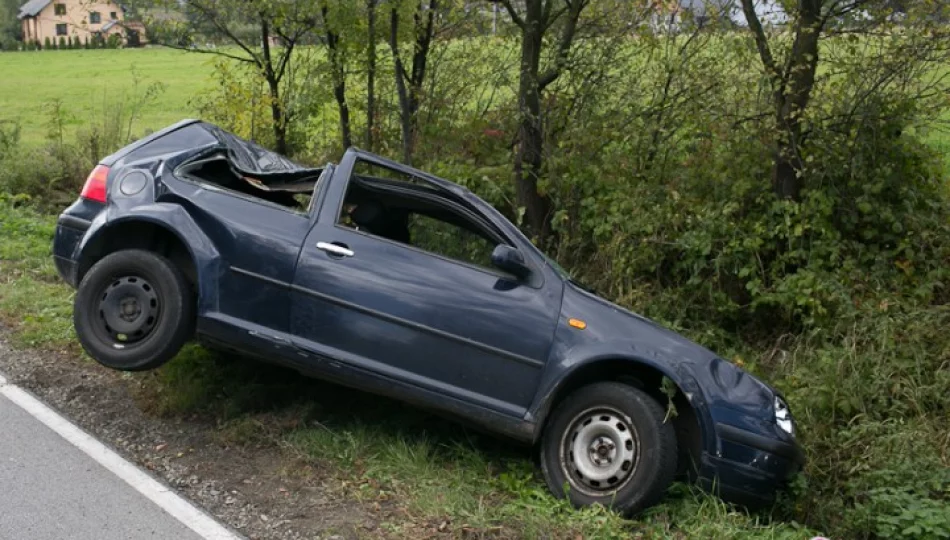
x=608 y=443
x=133 y=310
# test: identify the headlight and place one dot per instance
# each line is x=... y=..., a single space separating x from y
x=783 y=417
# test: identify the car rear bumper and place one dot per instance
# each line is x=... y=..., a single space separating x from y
x=750 y=468
x=69 y=233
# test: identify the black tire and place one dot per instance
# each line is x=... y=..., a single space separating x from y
x=133 y=310
x=626 y=422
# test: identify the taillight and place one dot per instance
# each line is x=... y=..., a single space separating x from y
x=95 y=186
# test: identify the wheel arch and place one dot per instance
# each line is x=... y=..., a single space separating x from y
x=689 y=421
x=166 y=237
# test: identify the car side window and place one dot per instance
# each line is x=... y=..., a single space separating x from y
x=450 y=240
x=401 y=208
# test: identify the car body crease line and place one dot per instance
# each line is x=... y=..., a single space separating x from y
x=397 y=320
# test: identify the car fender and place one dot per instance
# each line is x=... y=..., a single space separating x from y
x=174 y=219
x=564 y=365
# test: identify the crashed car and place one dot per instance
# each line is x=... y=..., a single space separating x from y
x=389 y=280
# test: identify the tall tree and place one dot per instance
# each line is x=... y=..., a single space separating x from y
x=336 y=55
x=264 y=33
x=10 y=28
x=409 y=83
x=536 y=21
x=370 y=73
x=790 y=60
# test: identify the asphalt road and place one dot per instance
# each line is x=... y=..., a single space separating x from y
x=50 y=489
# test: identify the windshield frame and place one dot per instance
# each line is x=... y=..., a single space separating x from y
x=558 y=269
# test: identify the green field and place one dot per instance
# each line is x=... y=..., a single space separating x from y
x=90 y=81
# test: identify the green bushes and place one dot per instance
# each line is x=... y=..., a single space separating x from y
x=53 y=173
x=903 y=490
x=870 y=395
x=840 y=299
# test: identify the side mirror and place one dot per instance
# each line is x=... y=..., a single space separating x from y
x=510 y=260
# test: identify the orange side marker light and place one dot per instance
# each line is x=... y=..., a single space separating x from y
x=577 y=323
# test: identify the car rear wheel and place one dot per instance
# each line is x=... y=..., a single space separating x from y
x=133 y=310
x=608 y=444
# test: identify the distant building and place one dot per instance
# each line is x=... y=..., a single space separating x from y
x=85 y=19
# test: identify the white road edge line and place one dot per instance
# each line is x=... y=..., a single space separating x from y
x=191 y=516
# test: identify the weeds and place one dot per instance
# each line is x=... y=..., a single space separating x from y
x=51 y=174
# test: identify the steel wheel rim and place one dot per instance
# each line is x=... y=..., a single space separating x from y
x=127 y=310
x=600 y=451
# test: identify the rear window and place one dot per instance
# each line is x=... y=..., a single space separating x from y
x=292 y=191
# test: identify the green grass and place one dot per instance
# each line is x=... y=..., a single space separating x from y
x=89 y=82
x=31 y=295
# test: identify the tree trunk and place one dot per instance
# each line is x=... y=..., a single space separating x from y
x=339 y=92
x=792 y=86
x=787 y=179
x=409 y=86
x=424 y=27
x=405 y=121
x=338 y=75
x=280 y=126
x=370 y=73
x=528 y=158
x=273 y=87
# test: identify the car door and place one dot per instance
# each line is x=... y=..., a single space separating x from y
x=258 y=241
x=436 y=322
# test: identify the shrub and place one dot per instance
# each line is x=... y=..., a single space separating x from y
x=53 y=173
x=9 y=138
x=839 y=299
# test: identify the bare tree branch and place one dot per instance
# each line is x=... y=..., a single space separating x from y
x=212 y=17
x=761 y=40
x=210 y=51
x=513 y=13
x=564 y=45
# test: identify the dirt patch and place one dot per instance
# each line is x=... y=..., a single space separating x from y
x=261 y=490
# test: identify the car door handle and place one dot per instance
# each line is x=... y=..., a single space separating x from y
x=335 y=249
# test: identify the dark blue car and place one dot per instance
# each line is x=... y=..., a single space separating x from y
x=387 y=279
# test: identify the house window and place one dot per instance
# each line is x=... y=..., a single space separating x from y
x=59 y=9
x=112 y=15
x=61 y=29
x=95 y=17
